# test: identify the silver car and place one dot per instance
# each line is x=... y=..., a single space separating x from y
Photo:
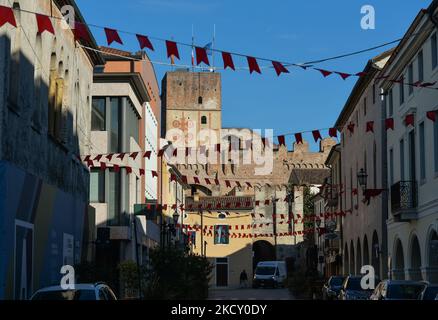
x=90 y=292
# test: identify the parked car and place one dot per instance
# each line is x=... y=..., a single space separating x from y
x=270 y=273
x=98 y=291
x=398 y=290
x=352 y=290
x=332 y=287
x=430 y=292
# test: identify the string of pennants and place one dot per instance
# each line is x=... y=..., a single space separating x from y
x=389 y=123
x=240 y=235
x=44 y=24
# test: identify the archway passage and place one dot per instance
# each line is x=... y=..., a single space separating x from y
x=399 y=262
x=263 y=251
x=358 y=257
x=352 y=261
x=415 y=271
x=433 y=257
x=375 y=254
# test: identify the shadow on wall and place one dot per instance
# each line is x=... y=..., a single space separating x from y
x=43 y=185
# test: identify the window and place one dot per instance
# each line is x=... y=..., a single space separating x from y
x=402 y=91
x=391 y=167
x=199 y=100
x=435 y=133
x=56 y=91
x=374 y=93
x=420 y=66
x=98 y=114
x=203 y=120
x=410 y=79
x=390 y=103
x=433 y=42
x=402 y=160
x=221 y=234
x=114 y=124
x=113 y=197
x=132 y=122
x=422 y=153
x=97 y=186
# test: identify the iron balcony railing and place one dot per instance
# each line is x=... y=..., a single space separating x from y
x=404 y=196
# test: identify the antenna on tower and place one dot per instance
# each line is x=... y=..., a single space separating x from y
x=193 y=49
x=212 y=48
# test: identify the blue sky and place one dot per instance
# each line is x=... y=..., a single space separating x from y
x=293 y=31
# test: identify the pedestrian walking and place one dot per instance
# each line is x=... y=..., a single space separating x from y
x=243 y=279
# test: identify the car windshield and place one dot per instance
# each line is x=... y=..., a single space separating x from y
x=354 y=284
x=265 y=271
x=430 y=293
x=404 y=291
x=66 y=295
x=336 y=281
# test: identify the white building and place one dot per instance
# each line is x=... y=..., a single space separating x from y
x=363 y=226
x=412 y=151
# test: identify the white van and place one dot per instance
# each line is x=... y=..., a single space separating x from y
x=270 y=274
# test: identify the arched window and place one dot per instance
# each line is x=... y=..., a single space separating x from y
x=15 y=62
x=199 y=100
x=203 y=120
x=56 y=92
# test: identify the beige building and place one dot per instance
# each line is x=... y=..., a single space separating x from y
x=412 y=151
x=192 y=103
x=364 y=224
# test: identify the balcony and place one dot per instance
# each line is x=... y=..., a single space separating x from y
x=404 y=201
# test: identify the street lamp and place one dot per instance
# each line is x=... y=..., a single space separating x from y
x=362 y=178
x=196 y=198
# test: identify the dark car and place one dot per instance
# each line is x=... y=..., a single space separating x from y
x=87 y=292
x=352 y=289
x=430 y=292
x=332 y=287
x=398 y=290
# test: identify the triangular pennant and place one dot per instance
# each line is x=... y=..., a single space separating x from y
x=333 y=132
x=298 y=138
x=172 y=49
x=389 y=124
x=147 y=155
x=133 y=155
x=431 y=115
x=228 y=60
x=44 y=24
x=144 y=42
x=112 y=36
x=7 y=16
x=409 y=120
x=279 y=68
x=201 y=56
x=370 y=126
x=325 y=73
x=154 y=174
x=343 y=75
x=253 y=65
x=316 y=135
x=81 y=33
x=282 y=140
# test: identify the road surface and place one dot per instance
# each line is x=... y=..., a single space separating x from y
x=250 y=294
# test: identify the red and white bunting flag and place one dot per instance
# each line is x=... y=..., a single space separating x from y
x=154 y=174
x=116 y=168
x=7 y=16
x=249 y=185
x=172 y=177
x=196 y=180
x=172 y=49
x=389 y=124
x=144 y=42
x=298 y=138
x=147 y=155
x=228 y=61
x=333 y=132
x=409 y=120
x=350 y=127
x=370 y=126
x=109 y=157
x=228 y=183
x=112 y=36
x=81 y=33
x=316 y=135
x=216 y=181
x=282 y=140
x=253 y=65
x=279 y=68
x=98 y=157
x=133 y=155
x=184 y=179
x=103 y=166
x=343 y=75
x=325 y=73
x=121 y=156
x=44 y=24
x=128 y=170
x=207 y=181
x=431 y=115
x=201 y=56
x=142 y=172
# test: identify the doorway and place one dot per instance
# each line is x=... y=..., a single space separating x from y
x=221 y=272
